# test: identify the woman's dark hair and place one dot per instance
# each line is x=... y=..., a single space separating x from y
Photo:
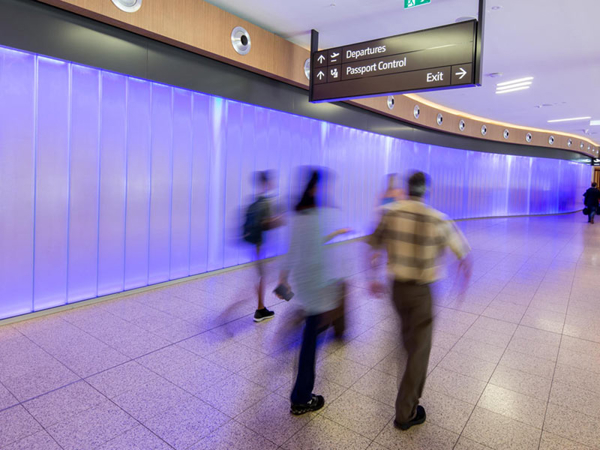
x=308 y=199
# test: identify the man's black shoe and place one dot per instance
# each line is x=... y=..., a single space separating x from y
x=417 y=420
x=315 y=404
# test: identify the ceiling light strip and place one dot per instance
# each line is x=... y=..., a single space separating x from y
x=512 y=90
x=502 y=88
x=506 y=83
x=570 y=119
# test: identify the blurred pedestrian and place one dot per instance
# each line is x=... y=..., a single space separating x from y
x=317 y=290
x=591 y=199
x=415 y=236
x=392 y=192
x=259 y=219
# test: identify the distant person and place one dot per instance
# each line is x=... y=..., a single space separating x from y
x=259 y=219
x=415 y=235
x=591 y=200
x=314 y=283
x=392 y=193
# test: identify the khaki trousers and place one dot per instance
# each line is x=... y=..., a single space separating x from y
x=413 y=304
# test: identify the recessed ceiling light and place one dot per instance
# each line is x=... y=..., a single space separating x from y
x=594 y=122
x=570 y=119
x=495 y=74
x=496 y=8
x=129 y=6
x=505 y=91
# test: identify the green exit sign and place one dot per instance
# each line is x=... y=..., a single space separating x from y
x=413 y=3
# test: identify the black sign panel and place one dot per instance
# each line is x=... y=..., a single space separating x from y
x=437 y=58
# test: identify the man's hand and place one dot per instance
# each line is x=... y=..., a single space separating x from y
x=378 y=289
x=465 y=266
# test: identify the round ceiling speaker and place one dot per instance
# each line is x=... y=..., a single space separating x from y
x=483 y=130
x=417 y=111
x=569 y=142
x=307 y=68
x=129 y=6
x=528 y=137
x=551 y=140
x=439 y=119
x=506 y=134
x=462 y=125
x=240 y=39
x=391 y=102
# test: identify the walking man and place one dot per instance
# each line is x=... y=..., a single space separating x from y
x=591 y=199
x=415 y=236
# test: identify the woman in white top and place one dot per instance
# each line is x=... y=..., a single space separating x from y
x=314 y=284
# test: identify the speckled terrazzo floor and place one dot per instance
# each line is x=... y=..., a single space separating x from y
x=515 y=364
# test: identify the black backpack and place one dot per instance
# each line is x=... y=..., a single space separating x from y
x=253 y=225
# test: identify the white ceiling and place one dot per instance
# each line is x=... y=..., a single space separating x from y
x=555 y=41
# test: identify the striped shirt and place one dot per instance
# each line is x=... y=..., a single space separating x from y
x=415 y=237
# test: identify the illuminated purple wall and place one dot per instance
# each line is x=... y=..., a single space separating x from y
x=109 y=183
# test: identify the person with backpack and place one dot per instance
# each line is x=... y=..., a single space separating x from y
x=259 y=219
x=591 y=198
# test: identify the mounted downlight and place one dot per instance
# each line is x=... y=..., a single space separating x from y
x=528 y=137
x=240 y=40
x=462 y=125
x=506 y=134
x=417 y=111
x=391 y=102
x=307 y=68
x=551 y=140
x=581 y=145
x=569 y=142
x=129 y=6
x=439 y=119
x=483 y=130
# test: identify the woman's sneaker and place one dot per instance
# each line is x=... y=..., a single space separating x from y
x=315 y=404
x=263 y=314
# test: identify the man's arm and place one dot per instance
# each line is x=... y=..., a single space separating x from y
x=376 y=243
x=457 y=242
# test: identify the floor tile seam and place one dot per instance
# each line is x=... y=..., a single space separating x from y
x=108 y=344
x=312 y=419
x=43 y=428
x=176 y=342
x=236 y=420
x=324 y=410
x=554 y=371
x=139 y=422
x=484 y=389
x=527 y=354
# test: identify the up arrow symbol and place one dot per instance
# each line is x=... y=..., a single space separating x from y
x=321 y=58
x=320 y=75
x=462 y=73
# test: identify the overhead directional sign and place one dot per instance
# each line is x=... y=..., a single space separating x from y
x=436 y=58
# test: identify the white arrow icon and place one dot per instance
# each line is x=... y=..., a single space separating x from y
x=321 y=58
x=462 y=73
x=320 y=75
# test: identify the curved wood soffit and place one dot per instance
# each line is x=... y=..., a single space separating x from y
x=202 y=28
